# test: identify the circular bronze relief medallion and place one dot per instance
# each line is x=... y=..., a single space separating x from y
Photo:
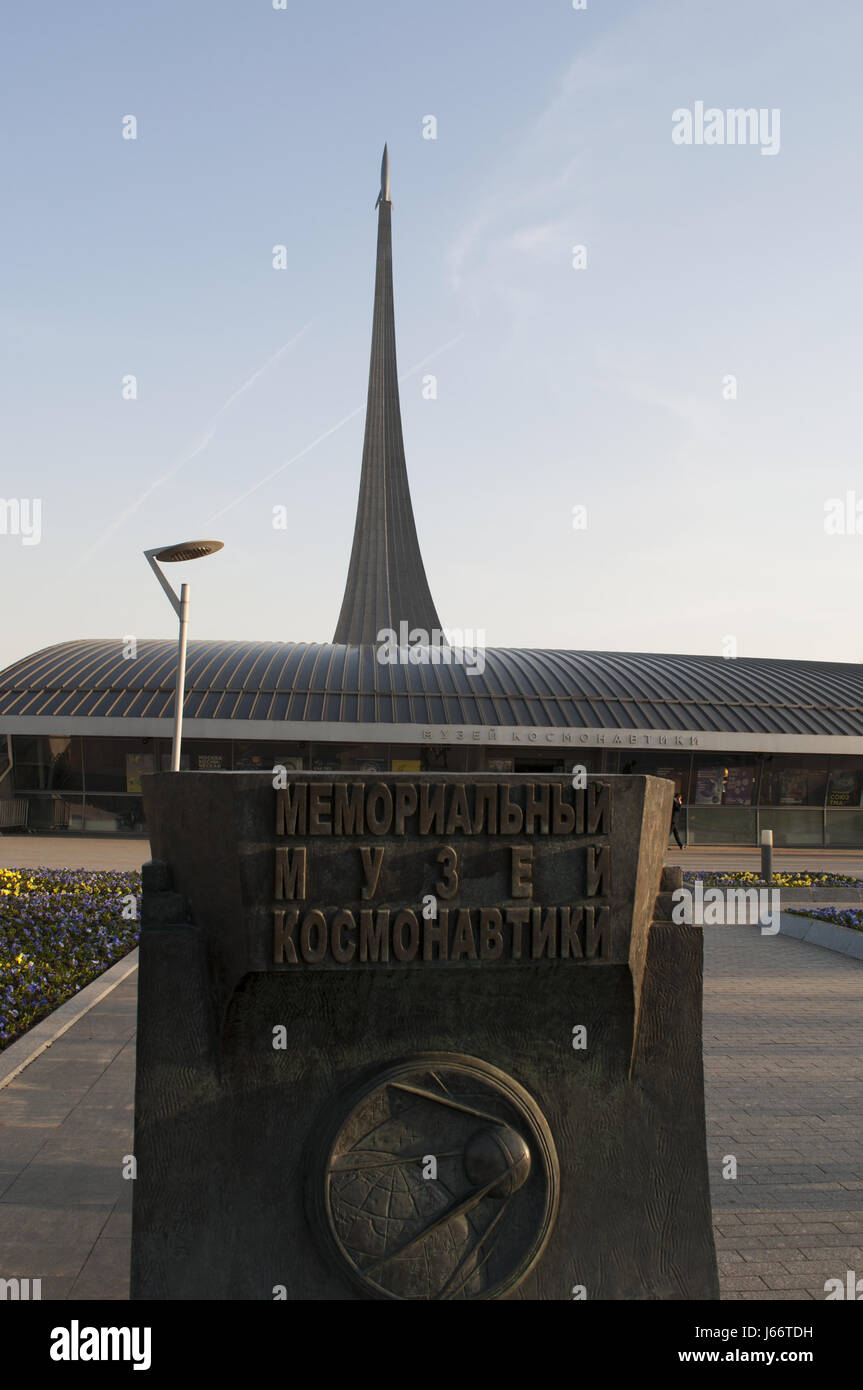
x=436 y=1178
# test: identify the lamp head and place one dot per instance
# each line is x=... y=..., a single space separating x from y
x=187 y=550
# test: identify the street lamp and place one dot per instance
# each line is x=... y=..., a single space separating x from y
x=169 y=554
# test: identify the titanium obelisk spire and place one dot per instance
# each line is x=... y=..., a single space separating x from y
x=386 y=582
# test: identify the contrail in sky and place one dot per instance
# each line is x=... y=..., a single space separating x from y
x=326 y=434
x=197 y=448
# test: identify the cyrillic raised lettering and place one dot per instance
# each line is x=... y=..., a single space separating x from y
x=459 y=813
x=290 y=873
x=291 y=803
x=342 y=921
x=463 y=943
x=447 y=887
x=543 y=940
x=571 y=922
x=283 y=932
x=562 y=815
x=598 y=871
x=536 y=807
x=379 y=808
x=490 y=934
x=374 y=934
x=511 y=818
x=314 y=921
x=406 y=804
x=522 y=871
x=431 y=817
x=373 y=859
x=320 y=808
x=597 y=932
x=516 y=917
x=436 y=936
x=485 y=807
x=406 y=950
x=598 y=808
x=348 y=808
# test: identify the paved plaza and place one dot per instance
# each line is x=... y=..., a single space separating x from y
x=65 y=1127
x=71 y=852
x=783 y=1038
x=783 y=1045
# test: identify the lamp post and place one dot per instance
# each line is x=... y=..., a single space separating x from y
x=170 y=554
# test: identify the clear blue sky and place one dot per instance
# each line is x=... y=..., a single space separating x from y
x=557 y=387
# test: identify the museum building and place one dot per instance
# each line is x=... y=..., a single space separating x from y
x=751 y=744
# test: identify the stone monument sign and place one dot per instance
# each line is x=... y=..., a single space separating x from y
x=417 y=1036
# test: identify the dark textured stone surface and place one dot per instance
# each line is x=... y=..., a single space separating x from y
x=162 y=907
x=155 y=877
x=228 y=1128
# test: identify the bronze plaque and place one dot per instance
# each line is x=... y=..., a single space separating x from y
x=437 y=1178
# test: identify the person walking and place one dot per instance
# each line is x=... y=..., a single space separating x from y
x=676 y=808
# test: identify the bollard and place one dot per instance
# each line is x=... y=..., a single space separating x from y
x=767 y=856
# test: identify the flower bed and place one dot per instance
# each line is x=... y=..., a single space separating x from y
x=841 y=916
x=59 y=930
x=803 y=878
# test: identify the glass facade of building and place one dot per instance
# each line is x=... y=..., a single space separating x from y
x=93 y=785
x=805 y=799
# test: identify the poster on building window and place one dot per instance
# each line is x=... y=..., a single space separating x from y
x=406 y=764
x=137 y=765
x=251 y=759
x=792 y=788
x=738 y=787
x=708 y=786
x=843 y=789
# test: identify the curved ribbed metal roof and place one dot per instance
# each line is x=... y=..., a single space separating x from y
x=286 y=682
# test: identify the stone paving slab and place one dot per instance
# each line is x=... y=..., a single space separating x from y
x=65 y=1125
x=46 y=1033
x=783 y=1036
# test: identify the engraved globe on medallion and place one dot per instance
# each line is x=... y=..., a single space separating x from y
x=438 y=1179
